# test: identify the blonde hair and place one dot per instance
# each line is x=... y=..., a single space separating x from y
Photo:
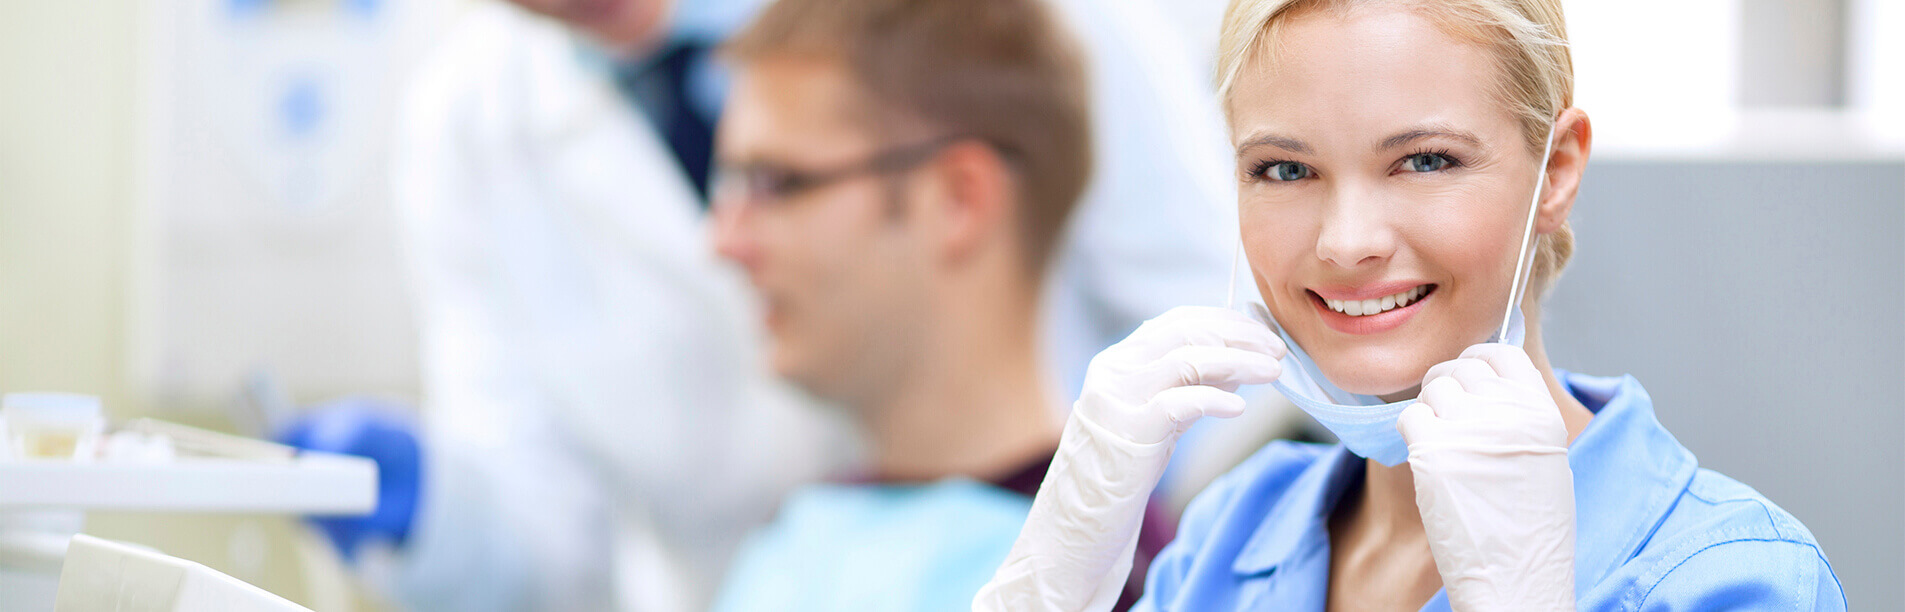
x=1527 y=37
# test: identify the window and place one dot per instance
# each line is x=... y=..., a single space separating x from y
x=1741 y=78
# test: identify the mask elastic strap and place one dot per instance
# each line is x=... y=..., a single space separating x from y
x=1520 y=282
x=1236 y=251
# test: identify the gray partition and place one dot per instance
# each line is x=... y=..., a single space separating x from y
x=1760 y=303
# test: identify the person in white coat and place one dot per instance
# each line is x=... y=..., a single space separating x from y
x=598 y=431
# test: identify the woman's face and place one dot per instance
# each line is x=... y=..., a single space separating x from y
x=1382 y=192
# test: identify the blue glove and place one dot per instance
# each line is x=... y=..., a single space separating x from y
x=381 y=432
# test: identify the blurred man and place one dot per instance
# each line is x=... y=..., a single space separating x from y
x=893 y=176
x=597 y=429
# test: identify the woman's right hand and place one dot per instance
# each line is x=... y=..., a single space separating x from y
x=1176 y=368
x=1075 y=550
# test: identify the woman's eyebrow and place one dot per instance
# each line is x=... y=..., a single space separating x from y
x=1428 y=131
x=1282 y=142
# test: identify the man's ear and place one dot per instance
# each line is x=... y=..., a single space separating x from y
x=977 y=198
x=1574 y=139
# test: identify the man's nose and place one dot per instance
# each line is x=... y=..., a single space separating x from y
x=731 y=232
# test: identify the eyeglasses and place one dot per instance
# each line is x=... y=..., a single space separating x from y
x=770 y=184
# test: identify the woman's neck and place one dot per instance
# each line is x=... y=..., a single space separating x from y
x=1385 y=508
x=1379 y=550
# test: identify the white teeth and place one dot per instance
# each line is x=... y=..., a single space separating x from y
x=1358 y=308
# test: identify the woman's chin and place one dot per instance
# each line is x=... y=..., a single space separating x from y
x=1376 y=377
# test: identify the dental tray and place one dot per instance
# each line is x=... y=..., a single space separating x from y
x=200 y=471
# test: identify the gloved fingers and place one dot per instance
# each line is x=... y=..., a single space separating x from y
x=1450 y=401
x=1471 y=369
x=1162 y=328
x=1259 y=316
x=1508 y=361
x=330 y=431
x=1439 y=370
x=1182 y=313
x=1184 y=405
x=344 y=425
x=1160 y=336
x=1515 y=381
x=1479 y=378
x=1217 y=366
x=1418 y=422
x=1246 y=335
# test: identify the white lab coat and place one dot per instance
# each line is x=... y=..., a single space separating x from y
x=599 y=424
x=1155 y=226
x=601 y=431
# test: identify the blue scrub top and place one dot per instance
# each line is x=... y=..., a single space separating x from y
x=912 y=548
x=1653 y=531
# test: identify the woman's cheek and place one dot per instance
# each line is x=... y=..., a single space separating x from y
x=1274 y=250
x=1482 y=221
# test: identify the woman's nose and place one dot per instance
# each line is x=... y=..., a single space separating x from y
x=1356 y=230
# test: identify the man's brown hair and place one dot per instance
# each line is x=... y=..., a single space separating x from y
x=1004 y=72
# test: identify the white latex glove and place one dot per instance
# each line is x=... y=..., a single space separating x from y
x=1489 y=452
x=1075 y=550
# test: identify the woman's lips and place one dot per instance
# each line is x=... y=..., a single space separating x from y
x=1400 y=306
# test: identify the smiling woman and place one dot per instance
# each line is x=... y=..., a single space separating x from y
x=1386 y=155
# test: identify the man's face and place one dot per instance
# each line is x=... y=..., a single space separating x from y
x=840 y=266
x=619 y=24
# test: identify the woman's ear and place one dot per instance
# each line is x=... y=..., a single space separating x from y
x=1574 y=138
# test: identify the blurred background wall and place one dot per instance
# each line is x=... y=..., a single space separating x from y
x=190 y=195
x=1746 y=296
x=66 y=116
x=191 y=192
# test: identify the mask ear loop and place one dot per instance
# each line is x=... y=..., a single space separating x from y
x=1520 y=283
x=1236 y=251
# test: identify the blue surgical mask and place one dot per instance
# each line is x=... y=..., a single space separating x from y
x=1364 y=423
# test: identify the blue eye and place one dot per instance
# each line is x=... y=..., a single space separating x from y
x=1426 y=162
x=1286 y=171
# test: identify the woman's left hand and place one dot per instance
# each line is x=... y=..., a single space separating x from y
x=1489 y=452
